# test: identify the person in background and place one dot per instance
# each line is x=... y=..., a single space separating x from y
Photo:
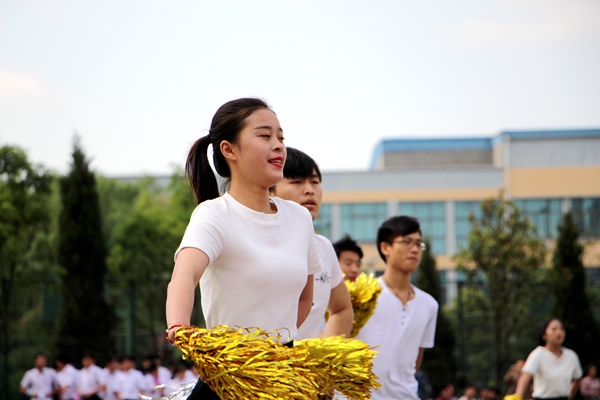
x=67 y=376
x=470 y=393
x=349 y=255
x=111 y=371
x=131 y=382
x=153 y=380
x=39 y=382
x=301 y=183
x=590 y=384
x=91 y=379
x=512 y=376
x=555 y=370
x=405 y=317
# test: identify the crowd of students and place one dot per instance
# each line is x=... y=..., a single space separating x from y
x=119 y=379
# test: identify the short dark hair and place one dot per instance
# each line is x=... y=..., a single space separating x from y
x=64 y=358
x=299 y=165
x=396 y=226
x=347 y=244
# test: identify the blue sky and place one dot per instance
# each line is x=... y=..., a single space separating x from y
x=139 y=81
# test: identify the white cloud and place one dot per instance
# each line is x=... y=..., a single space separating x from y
x=531 y=23
x=18 y=84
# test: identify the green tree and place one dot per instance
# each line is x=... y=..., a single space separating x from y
x=439 y=362
x=85 y=319
x=503 y=255
x=24 y=191
x=142 y=258
x=572 y=304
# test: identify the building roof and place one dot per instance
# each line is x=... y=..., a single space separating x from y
x=473 y=143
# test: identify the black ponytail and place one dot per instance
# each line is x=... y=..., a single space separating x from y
x=198 y=172
x=227 y=123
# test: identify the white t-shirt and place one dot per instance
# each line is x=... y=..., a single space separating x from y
x=90 y=378
x=130 y=384
x=258 y=263
x=67 y=379
x=40 y=383
x=111 y=380
x=325 y=281
x=399 y=331
x=552 y=376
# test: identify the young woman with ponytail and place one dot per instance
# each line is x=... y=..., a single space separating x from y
x=254 y=256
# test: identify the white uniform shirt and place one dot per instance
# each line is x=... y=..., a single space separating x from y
x=90 y=378
x=399 y=331
x=164 y=374
x=325 y=281
x=40 y=383
x=67 y=380
x=111 y=380
x=130 y=384
x=258 y=263
x=552 y=376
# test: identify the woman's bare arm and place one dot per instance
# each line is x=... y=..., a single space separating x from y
x=189 y=267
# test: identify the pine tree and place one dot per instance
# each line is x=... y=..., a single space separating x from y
x=439 y=362
x=572 y=305
x=85 y=319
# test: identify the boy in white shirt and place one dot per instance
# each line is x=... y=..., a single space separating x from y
x=404 y=321
x=301 y=183
x=91 y=379
x=39 y=382
x=67 y=376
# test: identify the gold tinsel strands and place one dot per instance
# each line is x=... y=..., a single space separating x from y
x=341 y=364
x=364 y=292
x=249 y=364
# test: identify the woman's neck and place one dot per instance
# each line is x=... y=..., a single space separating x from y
x=555 y=348
x=254 y=198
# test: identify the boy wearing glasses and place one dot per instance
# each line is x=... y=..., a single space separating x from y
x=403 y=324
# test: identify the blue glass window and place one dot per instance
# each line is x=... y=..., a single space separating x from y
x=431 y=216
x=323 y=222
x=361 y=220
x=462 y=210
x=587 y=216
x=545 y=214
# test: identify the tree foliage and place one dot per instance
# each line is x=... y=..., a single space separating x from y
x=572 y=304
x=24 y=191
x=439 y=362
x=85 y=319
x=503 y=255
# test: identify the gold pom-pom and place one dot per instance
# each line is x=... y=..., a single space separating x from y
x=364 y=292
x=513 y=397
x=250 y=364
x=341 y=364
x=245 y=364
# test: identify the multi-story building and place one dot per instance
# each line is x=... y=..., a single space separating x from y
x=441 y=181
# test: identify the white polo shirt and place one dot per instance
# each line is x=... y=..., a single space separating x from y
x=67 y=379
x=130 y=384
x=90 y=378
x=399 y=331
x=40 y=383
x=325 y=281
x=552 y=376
